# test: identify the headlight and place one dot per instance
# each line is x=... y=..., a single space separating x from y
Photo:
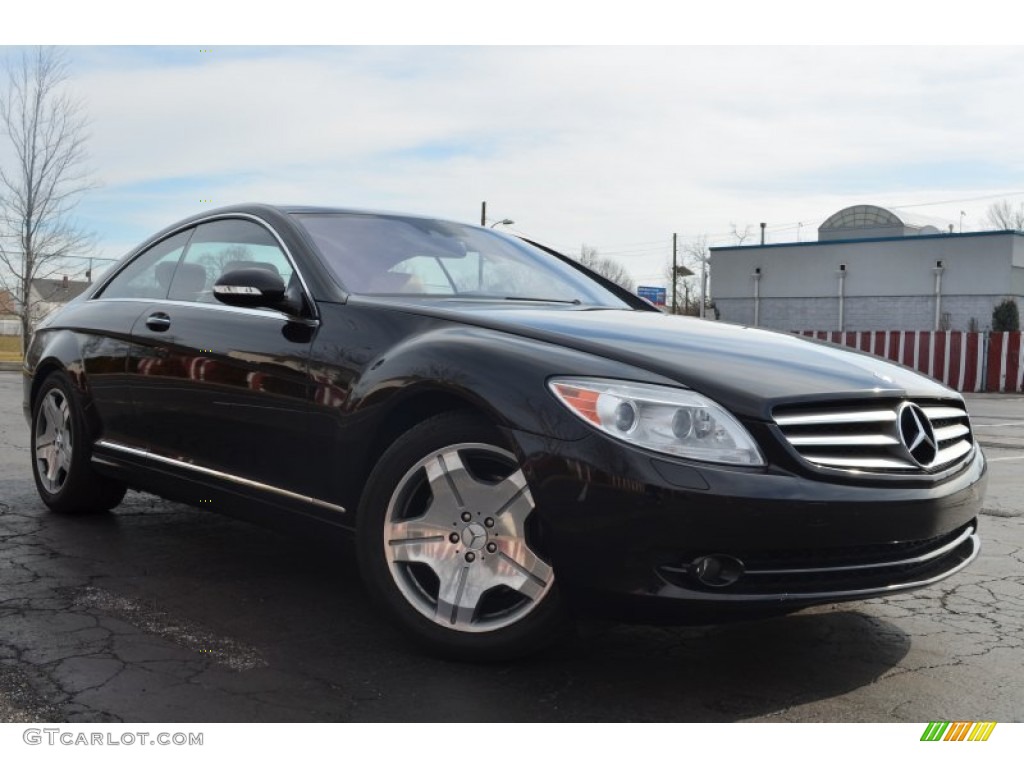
x=663 y=419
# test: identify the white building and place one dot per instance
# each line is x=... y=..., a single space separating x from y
x=870 y=269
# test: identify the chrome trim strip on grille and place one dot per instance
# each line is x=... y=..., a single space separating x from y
x=851 y=417
x=953 y=430
x=853 y=463
x=968 y=532
x=953 y=452
x=943 y=412
x=217 y=474
x=845 y=440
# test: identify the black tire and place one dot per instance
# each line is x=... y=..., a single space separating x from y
x=61 y=450
x=446 y=512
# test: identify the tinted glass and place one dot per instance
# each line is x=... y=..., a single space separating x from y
x=398 y=255
x=222 y=246
x=149 y=275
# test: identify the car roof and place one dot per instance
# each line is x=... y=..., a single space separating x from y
x=258 y=208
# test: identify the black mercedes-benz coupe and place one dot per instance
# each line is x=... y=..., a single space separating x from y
x=510 y=437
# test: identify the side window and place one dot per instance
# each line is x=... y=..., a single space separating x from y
x=219 y=247
x=149 y=275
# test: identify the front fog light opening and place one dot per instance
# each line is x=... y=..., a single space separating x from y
x=717 y=570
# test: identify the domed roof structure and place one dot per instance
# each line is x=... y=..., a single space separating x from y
x=859 y=222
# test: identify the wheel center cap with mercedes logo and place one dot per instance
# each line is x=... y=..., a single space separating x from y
x=917 y=434
x=474 y=536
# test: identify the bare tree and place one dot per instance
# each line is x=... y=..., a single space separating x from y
x=1003 y=215
x=215 y=263
x=740 y=236
x=46 y=129
x=605 y=267
x=684 y=286
x=697 y=252
x=691 y=266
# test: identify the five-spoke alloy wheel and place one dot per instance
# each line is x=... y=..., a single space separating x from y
x=61 y=452
x=53 y=446
x=449 y=540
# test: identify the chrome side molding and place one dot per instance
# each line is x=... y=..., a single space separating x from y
x=215 y=473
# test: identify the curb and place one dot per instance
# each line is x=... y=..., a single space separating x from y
x=1013 y=445
x=10 y=366
x=1000 y=512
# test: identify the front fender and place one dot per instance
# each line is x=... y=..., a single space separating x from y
x=501 y=374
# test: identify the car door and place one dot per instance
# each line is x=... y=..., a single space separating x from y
x=105 y=323
x=223 y=389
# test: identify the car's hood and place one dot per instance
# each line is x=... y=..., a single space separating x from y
x=746 y=369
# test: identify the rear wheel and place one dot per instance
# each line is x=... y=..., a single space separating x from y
x=448 y=542
x=61 y=445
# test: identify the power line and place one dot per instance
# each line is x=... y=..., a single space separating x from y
x=662 y=247
x=961 y=200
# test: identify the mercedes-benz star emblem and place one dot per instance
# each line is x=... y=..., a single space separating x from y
x=917 y=434
x=474 y=536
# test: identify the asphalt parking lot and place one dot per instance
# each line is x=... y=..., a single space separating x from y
x=160 y=612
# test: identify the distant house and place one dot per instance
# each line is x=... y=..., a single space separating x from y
x=9 y=325
x=47 y=295
x=44 y=296
x=7 y=304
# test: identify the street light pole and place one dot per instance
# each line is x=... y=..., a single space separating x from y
x=483 y=214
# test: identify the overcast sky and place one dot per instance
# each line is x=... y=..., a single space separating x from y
x=615 y=147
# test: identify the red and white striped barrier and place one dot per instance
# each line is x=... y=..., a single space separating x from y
x=956 y=358
x=1006 y=362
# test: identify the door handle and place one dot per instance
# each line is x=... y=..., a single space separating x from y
x=158 y=321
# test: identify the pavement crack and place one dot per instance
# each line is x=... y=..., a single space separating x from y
x=221 y=650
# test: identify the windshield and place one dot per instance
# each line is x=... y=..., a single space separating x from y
x=380 y=255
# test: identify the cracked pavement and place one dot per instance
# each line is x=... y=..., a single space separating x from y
x=162 y=612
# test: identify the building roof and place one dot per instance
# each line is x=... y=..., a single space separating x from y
x=58 y=291
x=873 y=221
x=857 y=216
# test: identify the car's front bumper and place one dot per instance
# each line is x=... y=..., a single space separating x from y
x=629 y=529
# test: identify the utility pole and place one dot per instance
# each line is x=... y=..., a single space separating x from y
x=703 y=283
x=675 y=274
x=763 y=225
x=483 y=214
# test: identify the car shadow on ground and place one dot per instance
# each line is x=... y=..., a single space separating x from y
x=158 y=611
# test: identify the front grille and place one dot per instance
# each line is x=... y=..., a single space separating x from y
x=866 y=436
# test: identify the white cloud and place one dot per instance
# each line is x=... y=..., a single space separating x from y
x=609 y=146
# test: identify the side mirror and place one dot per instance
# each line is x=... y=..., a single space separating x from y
x=249 y=287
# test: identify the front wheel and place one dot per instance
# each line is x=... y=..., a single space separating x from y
x=448 y=542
